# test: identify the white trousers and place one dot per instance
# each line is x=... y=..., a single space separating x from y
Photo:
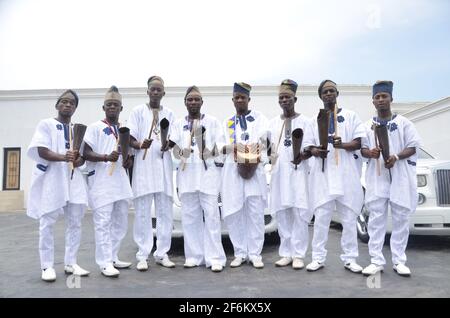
x=202 y=229
x=349 y=239
x=142 y=230
x=378 y=213
x=110 y=224
x=293 y=232
x=246 y=229
x=73 y=214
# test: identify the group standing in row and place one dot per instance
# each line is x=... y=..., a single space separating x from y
x=315 y=170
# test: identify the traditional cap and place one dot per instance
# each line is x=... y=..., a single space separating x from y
x=113 y=94
x=155 y=79
x=382 y=86
x=325 y=84
x=66 y=93
x=192 y=90
x=242 y=87
x=288 y=86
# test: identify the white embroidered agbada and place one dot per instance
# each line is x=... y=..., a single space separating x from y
x=235 y=190
x=194 y=177
x=339 y=182
x=104 y=188
x=154 y=174
x=51 y=186
x=403 y=189
x=288 y=186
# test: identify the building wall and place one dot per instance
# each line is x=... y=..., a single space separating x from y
x=22 y=110
x=432 y=122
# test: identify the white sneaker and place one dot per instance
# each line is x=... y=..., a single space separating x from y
x=284 y=261
x=48 y=274
x=216 y=268
x=110 y=271
x=237 y=262
x=402 y=270
x=75 y=270
x=190 y=264
x=120 y=264
x=166 y=262
x=314 y=266
x=142 y=265
x=372 y=269
x=297 y=263
x=257 y=264
x=353 y=267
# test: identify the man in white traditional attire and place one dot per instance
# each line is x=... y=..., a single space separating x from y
x=53 y=191
x=289 y=180
x=109 y=188
x=198 y=183
x=336 y=186
x=244 y=200
x=400 y=193
x=152 y=177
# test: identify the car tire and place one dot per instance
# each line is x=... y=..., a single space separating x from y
x=362 y=226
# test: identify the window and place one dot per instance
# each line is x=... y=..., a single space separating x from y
x=11 y=169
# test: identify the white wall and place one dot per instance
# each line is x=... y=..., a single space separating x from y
x=20 y=111
x=432 y=123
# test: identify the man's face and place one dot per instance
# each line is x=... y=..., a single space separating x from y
x=287 y=101
x=329 y=95
x=66 y=106
x=193 y=104
x=240 y=101
x=382 y=102
x=156 y=92
x=112 y=108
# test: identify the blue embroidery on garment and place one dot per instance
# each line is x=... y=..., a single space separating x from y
x=250 y=118
x=412 y=163
x=185 y=127
x=67 y=145
x=107 y=131
x=245 y=136
x=242 y=122
x=330 y=139
x=287 y=142
x=59 y=127
x=393 y=127
x=41 y=167
x=355 y=156
x=91 y=173
x=340 y=119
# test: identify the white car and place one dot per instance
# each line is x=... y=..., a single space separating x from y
x=177 y=231
x=432 y=216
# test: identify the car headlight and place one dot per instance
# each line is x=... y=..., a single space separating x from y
x=421 y=180
x=421 y=199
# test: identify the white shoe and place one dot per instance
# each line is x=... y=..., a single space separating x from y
x=110 y=271
x=284 y=261
x=75 y=270
x=297 y=263
x=190 y=264
x=402 y=270
x=48 y=274
x=216 y=268
x=142 y=266
x=166 y=262
x=120 y=264
x=353 y=267
x=372 y=269
x=314 y=266
x=237 y=262
x=257 y=264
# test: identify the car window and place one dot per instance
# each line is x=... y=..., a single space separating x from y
x=422 y=154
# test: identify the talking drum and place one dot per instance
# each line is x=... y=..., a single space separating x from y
x=247 y=163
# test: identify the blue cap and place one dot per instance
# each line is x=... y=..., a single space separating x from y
x=382 y=87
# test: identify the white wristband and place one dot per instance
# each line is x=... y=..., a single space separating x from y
x=396 y=157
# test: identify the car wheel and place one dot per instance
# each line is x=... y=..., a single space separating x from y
x=361 y=226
